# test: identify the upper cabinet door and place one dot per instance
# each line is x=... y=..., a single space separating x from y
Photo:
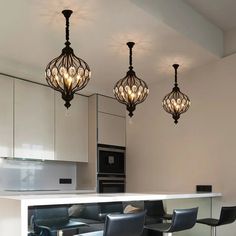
x=111 y=106
x=6 y=116
x=111 y=129
x=71 y=139
x=111 y=121
x=34 y=121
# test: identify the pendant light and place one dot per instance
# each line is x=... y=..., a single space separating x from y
x=176 y=102
x=130 y=90
x=67 y=73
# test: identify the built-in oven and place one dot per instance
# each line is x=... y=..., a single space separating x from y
x=110 y=169
x=111 y=160
x=111 y=184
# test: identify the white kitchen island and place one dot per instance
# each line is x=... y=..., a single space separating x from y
x=14 y=209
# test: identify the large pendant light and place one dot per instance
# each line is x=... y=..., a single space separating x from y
x=130 y=90
x=176 y=102
x=67 y=73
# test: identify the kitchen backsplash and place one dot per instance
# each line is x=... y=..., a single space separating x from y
x=17 y=174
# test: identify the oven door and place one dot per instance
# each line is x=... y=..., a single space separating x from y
x=111 y=185
x=111 y=161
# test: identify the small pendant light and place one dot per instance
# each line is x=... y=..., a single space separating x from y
x=130 y=90
x=67 y=73
x=176 y=102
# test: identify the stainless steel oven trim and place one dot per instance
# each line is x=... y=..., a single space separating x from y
x=102 y=173
x=111 y=149
x=112 y=183
x=111 y=178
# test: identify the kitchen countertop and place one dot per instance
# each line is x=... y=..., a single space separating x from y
x=77 y=197
x=14 y=208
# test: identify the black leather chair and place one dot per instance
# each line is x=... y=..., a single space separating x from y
x=94 y=214
x=130 y=224
x=48 y=221
x=227 y=216
x=182 y=219
x=155 y=212
x=110 y=207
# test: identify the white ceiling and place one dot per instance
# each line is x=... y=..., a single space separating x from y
x=219 y=12
x=32 y=34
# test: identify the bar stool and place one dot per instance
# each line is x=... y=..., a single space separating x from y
x=155 y=212
x=227 y=216
x=130 y=224
x=51 y=221
x=110 y=208
x=182 y=219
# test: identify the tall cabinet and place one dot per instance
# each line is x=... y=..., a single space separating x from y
x=107 y=125
x=33 y=121
x=6 y=116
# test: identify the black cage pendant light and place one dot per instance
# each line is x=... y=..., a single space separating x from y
x=130 y=90
x=176 y=102
x=67 y=73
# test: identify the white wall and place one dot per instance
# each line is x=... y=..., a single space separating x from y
x=201 y=149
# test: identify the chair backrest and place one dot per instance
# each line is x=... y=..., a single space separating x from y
x=50 y=216
x=90 y=211
x=130 y=224
x=183 y=219
x=112 y=207
x=227 y=215
x=154 y=208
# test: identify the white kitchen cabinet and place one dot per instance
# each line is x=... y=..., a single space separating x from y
x=111 y=106
x=107 y=125
x=6 y=116
x=111 y=129
x=34 y=121
x=111 y=121
x=71 y=129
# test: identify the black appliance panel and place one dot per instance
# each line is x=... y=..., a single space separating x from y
x=111 y=185
x=111 y=161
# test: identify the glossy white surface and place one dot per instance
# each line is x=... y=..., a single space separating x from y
x=17 y=174
x=110 y=106
x=111 y=129
x=111 y=112
x=33 y=200
x=34 y=121
x=71 y=129
x=6 y=117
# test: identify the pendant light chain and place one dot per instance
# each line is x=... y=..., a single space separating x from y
x=67 y=31
x=176 y=66
x=130 y=45
x=67 y=14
